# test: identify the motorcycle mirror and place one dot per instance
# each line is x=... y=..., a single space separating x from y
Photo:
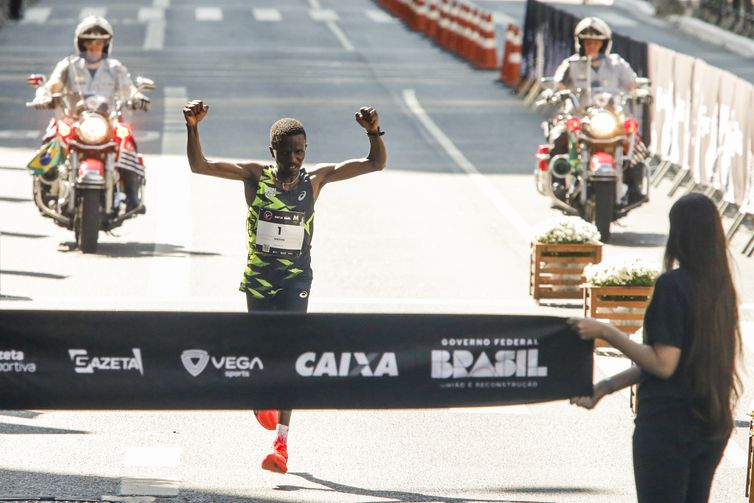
x=145 y=84
x=36 y=80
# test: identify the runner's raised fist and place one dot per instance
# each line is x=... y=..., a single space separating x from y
x=368 y=119
x=194 y=111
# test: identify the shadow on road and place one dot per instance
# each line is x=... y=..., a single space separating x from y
x=6 y=234
x=33 y=274
x=16 y=485
x=22 y=429
x=405 y=497
x=637 y=239
x=138 y=250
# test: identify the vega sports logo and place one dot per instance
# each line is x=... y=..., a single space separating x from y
x=195 y=361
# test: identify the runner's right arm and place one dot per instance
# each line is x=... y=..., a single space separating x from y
x=194 y=111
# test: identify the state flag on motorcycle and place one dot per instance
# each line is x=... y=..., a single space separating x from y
x=641 y=153
x=129 y=160
x=49 y=156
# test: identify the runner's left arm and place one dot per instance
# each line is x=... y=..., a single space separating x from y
x=374 y=161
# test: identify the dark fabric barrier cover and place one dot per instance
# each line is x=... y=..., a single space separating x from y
x=173 y=360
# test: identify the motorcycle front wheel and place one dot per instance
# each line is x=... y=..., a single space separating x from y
x=603 y=207
x=87 y=224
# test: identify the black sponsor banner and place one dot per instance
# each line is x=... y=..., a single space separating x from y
x=174 y=360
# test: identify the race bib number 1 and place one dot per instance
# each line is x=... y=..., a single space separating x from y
x=280 y=233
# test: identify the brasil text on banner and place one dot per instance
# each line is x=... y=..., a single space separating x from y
x=174 y=360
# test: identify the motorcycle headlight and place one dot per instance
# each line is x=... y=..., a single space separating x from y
x=602 y=124
x=93 y=129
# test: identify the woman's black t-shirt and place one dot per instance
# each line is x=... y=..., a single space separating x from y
x=666 y=321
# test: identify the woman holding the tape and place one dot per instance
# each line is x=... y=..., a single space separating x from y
x=687 y=367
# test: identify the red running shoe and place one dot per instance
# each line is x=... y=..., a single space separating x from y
x=277 y=461
x=267 y=418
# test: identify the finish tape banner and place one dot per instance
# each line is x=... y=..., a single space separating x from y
x=174 y=360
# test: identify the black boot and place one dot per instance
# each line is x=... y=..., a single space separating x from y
x=132 y=184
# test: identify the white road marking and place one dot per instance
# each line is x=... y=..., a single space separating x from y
x=208 y=14
x=36 y=15
x=379 y=16
x=342 y=38
x=154 y=40
x=314 y=4
x=145 y=136
x=93 y=11
x=266 y=15
x=161 y=4
x=506 y=210
x=152 y=456
x=170 y=275
x=19 y=134
x=149 y=487
x=151 y=14
x=323 y=15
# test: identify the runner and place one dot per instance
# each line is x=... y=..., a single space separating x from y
x=280 y=224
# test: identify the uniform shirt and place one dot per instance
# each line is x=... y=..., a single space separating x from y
x=110 y=79
x=280 y=225
x=666 y=321
x=613 y=73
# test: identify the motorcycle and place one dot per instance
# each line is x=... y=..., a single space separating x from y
x=86 y=191
x=592 y=165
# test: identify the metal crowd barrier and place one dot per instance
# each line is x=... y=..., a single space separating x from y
x=733 y=15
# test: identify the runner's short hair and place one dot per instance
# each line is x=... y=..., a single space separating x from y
x=285 y=127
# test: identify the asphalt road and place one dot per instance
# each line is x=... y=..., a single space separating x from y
x=445 y=228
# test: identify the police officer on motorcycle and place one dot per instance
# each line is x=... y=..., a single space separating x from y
x=92 y=72
x=593 y=40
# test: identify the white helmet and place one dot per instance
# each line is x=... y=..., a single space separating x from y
x=93 y=28
x=595 y=28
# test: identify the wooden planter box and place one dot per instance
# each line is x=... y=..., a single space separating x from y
x=750 y=467
x=556 y=270
x=606 y=303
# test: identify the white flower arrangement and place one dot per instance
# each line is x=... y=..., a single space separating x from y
x=622 y=271
x=567 y=230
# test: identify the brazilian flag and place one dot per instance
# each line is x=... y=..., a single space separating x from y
x=49 y=156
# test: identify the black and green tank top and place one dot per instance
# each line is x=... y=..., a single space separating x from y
x=280 y=225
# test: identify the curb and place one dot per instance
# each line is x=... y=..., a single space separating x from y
x=735 y=43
